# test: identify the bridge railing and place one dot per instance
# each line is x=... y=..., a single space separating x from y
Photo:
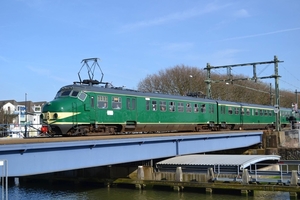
x=4 y=179
x=262 y=172
x=20 y=130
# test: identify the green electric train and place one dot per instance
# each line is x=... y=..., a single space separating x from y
x=91 y=107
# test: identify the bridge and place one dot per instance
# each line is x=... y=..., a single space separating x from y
x=23 y=157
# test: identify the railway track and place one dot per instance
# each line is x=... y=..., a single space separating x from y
x=4 y=141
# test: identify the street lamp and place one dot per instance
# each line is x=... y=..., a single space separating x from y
x=296 y=92
x=191 y=76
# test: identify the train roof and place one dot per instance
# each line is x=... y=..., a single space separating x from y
x=244 y=104
x=124 y=91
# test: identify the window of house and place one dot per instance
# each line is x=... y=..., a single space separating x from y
x=37 y=108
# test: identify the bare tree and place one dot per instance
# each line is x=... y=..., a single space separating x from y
x=183 y=80
x=179 y=80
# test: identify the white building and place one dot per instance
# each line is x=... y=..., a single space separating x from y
x=24 y=115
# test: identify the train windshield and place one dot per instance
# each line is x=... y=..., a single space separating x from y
x=72 y=93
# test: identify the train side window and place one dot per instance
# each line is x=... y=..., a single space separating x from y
x=256 y=112
x=242 y=111
x=236 y=111
x=102 y=102
x=270 y=113
x=128 y=103
x=162 y=105
x=66 y=93
x=261 y=112
x=196 y=109
x=211 y=109
x=74 y=93
x=223 y=110
x=265 y=112
x=82 y=96
x=248 y=111
x=92 y=102
x=203 y=108
x=147 y=105
x=154 y=106
x=116 y=102
x=188 y=107
x=172 y=106
x=230 y=110
x=180 y=107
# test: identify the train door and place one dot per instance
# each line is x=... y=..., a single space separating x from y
x=90 y=108
x=241 y=116
x=74 y=114
x=131 y=110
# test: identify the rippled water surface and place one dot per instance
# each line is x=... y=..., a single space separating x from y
x=24 y=192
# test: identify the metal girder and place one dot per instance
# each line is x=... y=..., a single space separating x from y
x=38 y=158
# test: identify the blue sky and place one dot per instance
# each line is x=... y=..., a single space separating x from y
x=42 y=42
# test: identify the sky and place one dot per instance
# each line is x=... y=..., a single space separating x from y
x=42 y=42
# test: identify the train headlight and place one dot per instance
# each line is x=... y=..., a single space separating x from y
x=48 y=115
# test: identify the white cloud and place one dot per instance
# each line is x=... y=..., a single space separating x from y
x=241 y=13
x=178 y=46
x=39 y=71
x=224 y=57
x=186 y=14
x=4 y=59
x=261 y=34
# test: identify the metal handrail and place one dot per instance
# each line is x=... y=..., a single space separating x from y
x=4 y=178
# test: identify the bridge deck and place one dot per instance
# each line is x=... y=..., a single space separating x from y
x=43 y=155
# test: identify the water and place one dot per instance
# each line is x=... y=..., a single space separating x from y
x=50 y=192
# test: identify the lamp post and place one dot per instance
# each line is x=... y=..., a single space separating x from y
x=191 y=76
x=296 y=92
x=25 y=115
x=25 y=107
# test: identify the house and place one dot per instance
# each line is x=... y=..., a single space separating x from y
x=20 y=114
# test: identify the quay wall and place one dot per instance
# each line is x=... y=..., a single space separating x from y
x=283 y=143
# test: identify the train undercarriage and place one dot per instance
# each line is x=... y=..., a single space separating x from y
x=132 y=127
